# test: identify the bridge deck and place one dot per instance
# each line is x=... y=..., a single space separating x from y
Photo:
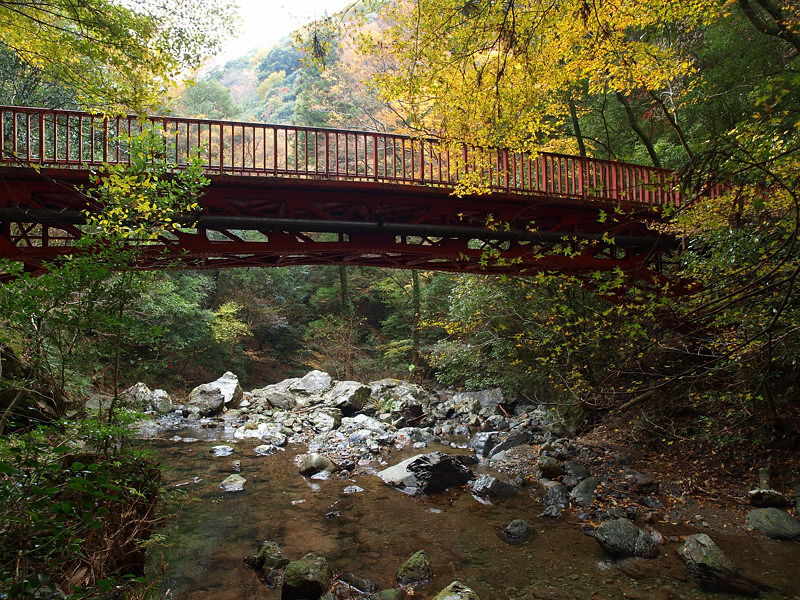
x=388 y=197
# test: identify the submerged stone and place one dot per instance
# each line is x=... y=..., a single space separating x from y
x=223 y=450
x=416 y=571
x=233 y=483
x=518 y=531
x=456 y=591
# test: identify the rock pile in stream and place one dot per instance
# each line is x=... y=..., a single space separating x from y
x=350 y=427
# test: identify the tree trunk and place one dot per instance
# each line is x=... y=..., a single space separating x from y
x=415 y=297
x=638 y=130
x=672 y=117
x=576 y=126
x=347 y=306
x=771 y=22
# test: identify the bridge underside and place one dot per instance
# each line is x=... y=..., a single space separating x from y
x=261 y=221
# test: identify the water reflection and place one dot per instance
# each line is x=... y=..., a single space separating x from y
x=372 y=531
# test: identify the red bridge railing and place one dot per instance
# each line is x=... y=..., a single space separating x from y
x=73 y=139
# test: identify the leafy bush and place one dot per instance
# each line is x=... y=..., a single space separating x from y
x=76 y=507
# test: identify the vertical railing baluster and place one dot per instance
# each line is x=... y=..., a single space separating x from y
x=296 y=149
x=421 y=160
x=3 y=157
x=105 y=139
x=41 y=138
x=27 y=137
x=505 y=169
x=221 y=146
x=275 y=151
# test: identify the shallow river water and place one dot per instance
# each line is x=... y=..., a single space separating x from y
x=371 y=532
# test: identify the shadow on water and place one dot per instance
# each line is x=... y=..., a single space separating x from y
x=371 y=532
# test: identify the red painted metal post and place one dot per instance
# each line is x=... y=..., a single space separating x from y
x=264 y=149
x=614 y=190
x=505 y=167
x=422 y=161
x=221 y=147
x=296 y=151
x=105 y=139
x=305 y=150
x=543 y=174
x=41 y=138
x=2 y=135
x=375 y=156
x=336 y=159
x=275 y=151
x=27 y=137
x=327 y=152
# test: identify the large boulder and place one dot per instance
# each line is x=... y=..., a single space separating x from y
x=139 y=397
x=484 y=402
x=210 y=399
x=313 y=383
x=314 y=463
x=427 y=473
x=518 y=438
x=456 y=591
x=348 y=396
x=416 y=571
x=620 y=537
x=492 y=487
x=405 y=402
x=306 y=579
x=325 y=418
x=774 y=523
x=270 y=397
x=711 y=569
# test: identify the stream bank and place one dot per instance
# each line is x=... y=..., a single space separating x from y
x=564 y=488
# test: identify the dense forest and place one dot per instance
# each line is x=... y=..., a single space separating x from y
x=710 y=88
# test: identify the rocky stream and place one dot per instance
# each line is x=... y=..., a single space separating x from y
x=315 y=488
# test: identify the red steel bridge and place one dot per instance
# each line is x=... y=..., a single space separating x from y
x=284 y=195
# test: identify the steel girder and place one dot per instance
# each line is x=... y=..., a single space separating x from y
x=261 y=221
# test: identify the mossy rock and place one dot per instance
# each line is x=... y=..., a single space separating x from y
x=270 y=561
x=456 y=591
x=309 y=577
x=416 y=571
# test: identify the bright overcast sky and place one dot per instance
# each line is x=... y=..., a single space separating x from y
x=265 y=22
